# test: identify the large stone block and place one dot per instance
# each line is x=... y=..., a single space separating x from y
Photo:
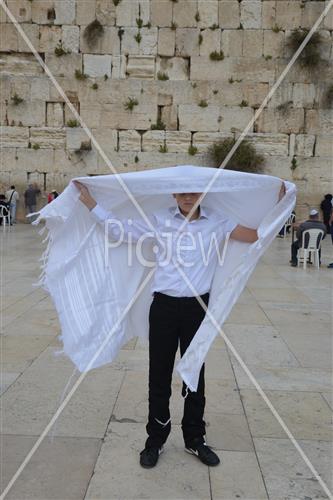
x=31 y=160
x=74 y=137
x=268 y=14
x=288 y=14
x=328 y=21
x=108 y=43
x=71 y=38
x=117 y=117
x=127 y=12
x=270 y=144
x=65 y=12
x=50 y=37
x=54 y=114
x=40 y=88
x=161 y=13
x=108 y=141
x=166 y=42
x=324 y=146
x=211 y=41
x=310 y=13
x=232 y=42
x=291 y=121
x=184 y=13
x=304 y=145
x=147 y=45
x=119 y=67
x=304 y=95
x=129 y=140
x=28 y=114
x=97 y=65
x=177 y=68
x=153 y=140
x=253 y=43
x=64 y=65
x=319 y=121
x=246 y=69
x=234 y=118
x=42 y=11
x=9 y=38
x=187 y=42
x=202 y=68
x=229 y=14
x=21 y=10
x=49 y=138
x=283 y=96
x=91 y=114
x=14 y=137
x=196 y=118
x=32 y=33
x=21 y=87
x=85 y=12
x=251 y=14
x=178 y=142
x=204 y=140
x=169 y=116
x=106 y=12
x=273 y=43
x=208 y=11
x=254 y=93
x=141 y=67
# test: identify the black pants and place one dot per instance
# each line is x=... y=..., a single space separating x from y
x=294 y=251
x=173 y=321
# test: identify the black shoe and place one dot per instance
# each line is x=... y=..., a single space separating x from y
x=205 y=454
x=293 y=264
x=149 y=457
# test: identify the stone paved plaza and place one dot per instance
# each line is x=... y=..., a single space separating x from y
x=281 y=327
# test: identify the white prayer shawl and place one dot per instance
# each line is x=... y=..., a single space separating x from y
x=92 y=299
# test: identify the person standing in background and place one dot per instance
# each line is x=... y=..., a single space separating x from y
x=12 y=198
x=30 y=198
x=326 y=207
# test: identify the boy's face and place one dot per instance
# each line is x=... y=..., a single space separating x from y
x=186 y=201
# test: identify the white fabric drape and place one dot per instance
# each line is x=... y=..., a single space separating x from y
x=91 y=298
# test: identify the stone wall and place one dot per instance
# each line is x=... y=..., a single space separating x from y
x=157 y=54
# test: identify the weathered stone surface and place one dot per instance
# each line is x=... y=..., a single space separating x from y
x=229 y=14
x=273 y=43
x=184 y=13
x=108 y=43
x=304 y=145
x=153 y=140
x=250 y=69
x=106 y=12
x=141 y=67
x=50 y=37
x=9 y=38
x=21 y=10
x=119 y=67
x=187 y=43
x=166 y=42
x=74 y=137
x=129 y=140
x=288 y=14
x=32 y=33
x=304 y=95
x=211 y=41
x=234 y=118
x=204 y=140
x=161 y=13
x=65 y=12
x=251 y=14
x=71 y=38
x=208 y=11
x=270 y=144
x=54 y=114
x=85 y=12
x=97 y=65
x=117 y=117
x=177 y=68
x=64 y=65
x=14 y=137
x=169 y=117
x=324 y=146
x=202 y=68
x=48 y=138
x=254 y=94
x=292 y=121
x=147 y=45
x=127 y=12
x=253 y=42
x=178 y=142
x=319 y=121
x=196 y=118
x=30 y=113
x=232 y=42
x=40 y=9
x=268 y=14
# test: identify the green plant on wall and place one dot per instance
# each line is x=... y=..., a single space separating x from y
x=216 y=56
x=159 y=125
x=192 y=150
x=294 y=164
x=329 y=96
x=79 y=75
x=244 y=159
x=60 y=51
x=310 y=56
x=93 y=32
x=131 y=103
x=163 y=149
x=16 y=100
x=162 y=76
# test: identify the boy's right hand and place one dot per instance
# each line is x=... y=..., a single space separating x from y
x=85 y=196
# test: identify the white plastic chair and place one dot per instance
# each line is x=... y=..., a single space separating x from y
x=5 y=214
x=311 y=243
x=288 y=224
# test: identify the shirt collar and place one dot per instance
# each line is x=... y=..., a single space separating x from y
x=177 y=213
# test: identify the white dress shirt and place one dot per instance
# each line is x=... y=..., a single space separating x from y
x=196 y=249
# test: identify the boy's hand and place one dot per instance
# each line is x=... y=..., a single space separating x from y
x=282 y=191
x=85 y=196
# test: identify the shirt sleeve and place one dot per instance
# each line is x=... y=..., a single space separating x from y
x=128 y=230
